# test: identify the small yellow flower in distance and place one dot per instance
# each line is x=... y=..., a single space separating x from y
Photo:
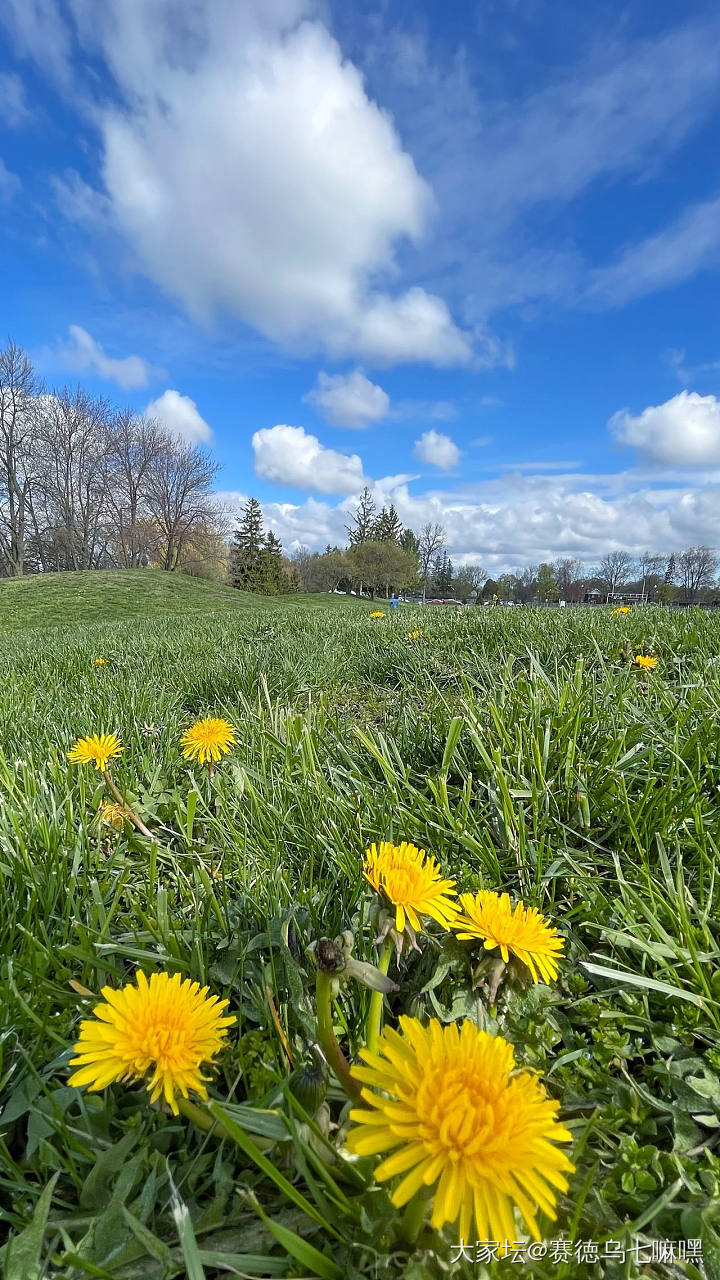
x=411 y=882
x=97 y=750
x=208 y=740
x=165 y=1029
x=645 y=661
x=99 y=662
x=456 y=1115
x=378 y=613
x=491 y=918
x=112 y=814
x=624 y=608
x=413 y=635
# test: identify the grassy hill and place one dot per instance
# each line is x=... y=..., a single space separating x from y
x=55 y=599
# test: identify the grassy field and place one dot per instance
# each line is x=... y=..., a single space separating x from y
x=520 y=747
x=59 y=598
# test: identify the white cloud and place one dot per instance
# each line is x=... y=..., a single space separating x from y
x=349 y=399
x=84 y=354
x=246 y=164
x=9 y=183
x=289 y=455
x=14 y=109
x=689 y=244
x=684 y=431
x=518 y=520
x=180 y=415
x=437 y=449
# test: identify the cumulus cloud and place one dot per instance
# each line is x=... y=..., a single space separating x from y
x=516 y=520
x=180 y=415
x=84 y=354
x=349 y=399
x=289 y=455
x=437 y=449
x=247 y=165
x=684 y=431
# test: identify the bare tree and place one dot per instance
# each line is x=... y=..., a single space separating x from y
x=137 y=445
x=432 y=541
x=567 y=571
x=697 y=568
x=179 y=496
x=467 y=581
x=70 y=493
x=615 y=570
x=18 y=403
x=526 y=583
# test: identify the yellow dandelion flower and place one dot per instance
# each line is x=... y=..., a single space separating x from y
x=98 y=749
x=378 y=613
x=411 y=882
x=491 y=918
x=413 y=635
x=99 y=662
x=114 y=815
x=457 y=1116
x=208 y=740
x=165 y=1029
x=645 y=661
x=624 y=608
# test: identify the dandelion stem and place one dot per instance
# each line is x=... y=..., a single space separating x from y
x=126 y=807
x=413 y=1219
x=201 y=1118
x=333 y=1054
x=374 y=1017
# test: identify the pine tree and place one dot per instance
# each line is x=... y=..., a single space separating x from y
x=246 y=568
x=363 y=525
x=271 y=562
x=388 y=526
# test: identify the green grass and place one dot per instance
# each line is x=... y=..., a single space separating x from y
x=518 y=746
x=56 y=599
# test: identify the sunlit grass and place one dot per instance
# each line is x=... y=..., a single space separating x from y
x=520 y=748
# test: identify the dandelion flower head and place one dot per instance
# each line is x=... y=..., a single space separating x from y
x=491 y=918
x=411 y=882
x=645 y=661
x=114 y=815
x=99 y=662
x=413 y=635
x=378 y=613
x=624 y=608
x=98 y=749
x=160 y=1031
x=208 y=740
x=448 y=1105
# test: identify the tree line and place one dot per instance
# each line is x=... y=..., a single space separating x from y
x=84 y=485
x=689 y=575
x=382 y=556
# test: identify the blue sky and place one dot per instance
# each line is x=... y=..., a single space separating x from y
x=466 y=253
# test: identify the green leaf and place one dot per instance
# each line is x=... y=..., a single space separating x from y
x=23 y=1252
x=639 y=980
x=186 y=1235
x=297 y=1248
x=251 y=1149
x=710 y=1245
x=96 y=1187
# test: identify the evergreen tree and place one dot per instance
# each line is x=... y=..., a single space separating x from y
x=388 y=526
x=409 y=541
x=271 y=566
x=446 y=577
x=363 y=525
x=246 y=553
